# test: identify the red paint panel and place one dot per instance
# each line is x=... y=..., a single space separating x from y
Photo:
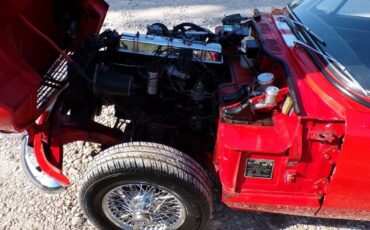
x=25 y=56
x=304 y=147
x=349 y=192
x=19 y=81
x=45 y=164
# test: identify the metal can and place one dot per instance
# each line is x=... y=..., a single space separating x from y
x=271 y=95
x=153 y=79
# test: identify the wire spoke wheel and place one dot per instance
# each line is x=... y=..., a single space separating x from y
x=143 y=206
x=146 y=186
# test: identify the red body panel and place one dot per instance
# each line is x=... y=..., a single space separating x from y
x=348 y=195
x=315 y=171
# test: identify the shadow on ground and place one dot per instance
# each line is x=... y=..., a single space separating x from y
x=119 y=5
x=225 y=218
x=132 y=16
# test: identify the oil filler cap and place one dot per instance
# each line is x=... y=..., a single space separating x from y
x=265 y=80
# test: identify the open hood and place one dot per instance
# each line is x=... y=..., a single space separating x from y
x=28 y=28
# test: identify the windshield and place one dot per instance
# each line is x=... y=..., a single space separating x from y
x=344 y=25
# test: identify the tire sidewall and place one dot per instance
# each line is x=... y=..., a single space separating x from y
x=194 y=204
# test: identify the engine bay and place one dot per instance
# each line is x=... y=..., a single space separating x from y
x=172 y=86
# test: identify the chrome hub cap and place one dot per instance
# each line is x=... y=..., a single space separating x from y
x=143 y=206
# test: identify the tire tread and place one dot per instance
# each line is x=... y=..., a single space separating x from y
x=139 y=157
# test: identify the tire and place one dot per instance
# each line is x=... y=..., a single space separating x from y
x=148 y=166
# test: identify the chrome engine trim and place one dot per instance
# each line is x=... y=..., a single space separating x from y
x=149 y=45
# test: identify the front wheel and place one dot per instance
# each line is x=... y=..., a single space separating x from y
x=146 y=186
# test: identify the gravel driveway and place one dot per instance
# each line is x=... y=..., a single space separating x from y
x=24 y=207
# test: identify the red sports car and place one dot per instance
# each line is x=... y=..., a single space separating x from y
x=271 y=108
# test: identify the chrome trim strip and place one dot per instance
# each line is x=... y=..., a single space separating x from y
x=34 y=174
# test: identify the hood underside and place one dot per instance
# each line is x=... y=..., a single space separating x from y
x=26 y=56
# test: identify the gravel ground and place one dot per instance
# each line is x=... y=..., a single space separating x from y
x=24 y=207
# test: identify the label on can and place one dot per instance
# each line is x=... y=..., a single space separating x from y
x=258 y=168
